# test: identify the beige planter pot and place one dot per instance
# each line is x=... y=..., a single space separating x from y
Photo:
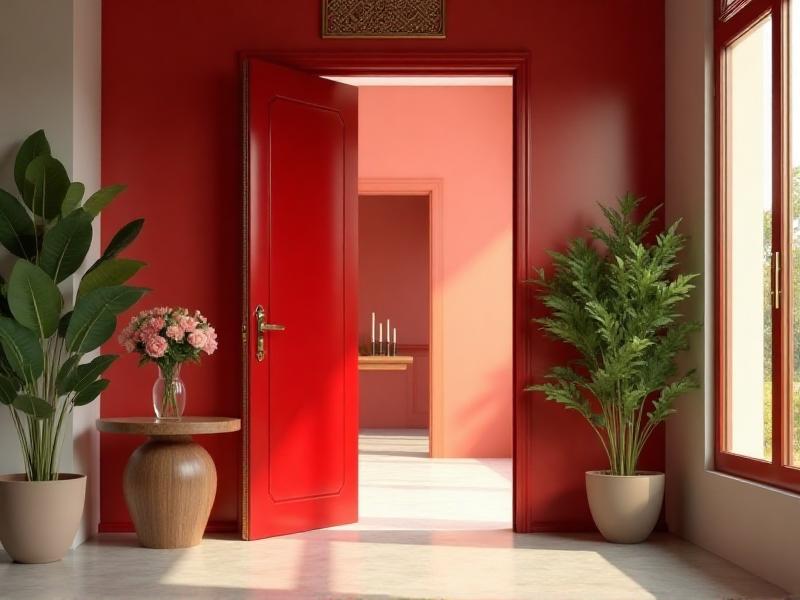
x=39 y=519
x=625 y=508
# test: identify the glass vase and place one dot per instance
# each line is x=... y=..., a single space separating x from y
x=169 y=393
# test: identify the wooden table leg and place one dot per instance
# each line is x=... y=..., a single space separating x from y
x=170 y=484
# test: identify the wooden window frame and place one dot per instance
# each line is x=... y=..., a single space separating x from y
x=733 y=20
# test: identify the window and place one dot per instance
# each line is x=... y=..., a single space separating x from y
x=757 y=51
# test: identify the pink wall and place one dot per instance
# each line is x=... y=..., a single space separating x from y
x=394 y=281
x=462 y=135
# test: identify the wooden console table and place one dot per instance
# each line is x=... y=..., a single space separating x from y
x=170 y=481
x=384 y=363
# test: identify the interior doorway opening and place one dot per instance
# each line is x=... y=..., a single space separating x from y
x=435 y=269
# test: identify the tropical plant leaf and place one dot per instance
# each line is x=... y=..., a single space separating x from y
x=121 y=240
x=35 y=145
x=115 y=271
x=65 y=372
x=63 y=324
x=8 y=390
x=65 y=245
x=33 y=405
x=16 y=227
x=101 y=198
x=73 y=197
x=34 y=299
x=46 y=184
x=22 y=349
x=94 y=319
x=90 y=392
x=83 y=375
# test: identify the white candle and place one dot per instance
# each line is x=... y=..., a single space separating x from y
x=380 y=332
x=373 y=328
x=388 y=332
x=394 y=334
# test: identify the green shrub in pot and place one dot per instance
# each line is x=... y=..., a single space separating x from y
x=615 y=300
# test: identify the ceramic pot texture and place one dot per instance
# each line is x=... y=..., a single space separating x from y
x=39 y=519
x=625 y=508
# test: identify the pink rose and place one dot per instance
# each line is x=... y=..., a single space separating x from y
x=156 y=346
x=187 y=323
x=198 y=338
x=129 y=345
x=175 y=332
x=211 y=343
x=155 y=324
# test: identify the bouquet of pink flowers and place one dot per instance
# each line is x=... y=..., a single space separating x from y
x=169 y=337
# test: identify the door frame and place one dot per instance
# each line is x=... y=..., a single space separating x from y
x=514 y=64
x=433 y=189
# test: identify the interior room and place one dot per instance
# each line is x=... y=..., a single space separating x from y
x=399 y=299
x=439 y=279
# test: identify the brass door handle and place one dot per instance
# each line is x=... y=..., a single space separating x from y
x=261 y=327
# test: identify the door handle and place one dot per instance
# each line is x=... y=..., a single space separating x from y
x=261 y=327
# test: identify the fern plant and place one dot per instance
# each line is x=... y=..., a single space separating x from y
x=618 y=307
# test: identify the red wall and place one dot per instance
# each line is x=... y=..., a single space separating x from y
x=171 y=131
x=394 y=282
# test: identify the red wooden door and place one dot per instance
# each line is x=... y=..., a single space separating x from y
x=301 y=413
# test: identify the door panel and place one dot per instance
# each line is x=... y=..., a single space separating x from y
x=301 y=430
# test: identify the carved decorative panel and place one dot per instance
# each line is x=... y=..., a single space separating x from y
x=383 y=18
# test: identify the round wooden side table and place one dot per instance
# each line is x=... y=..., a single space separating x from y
x=170 y=481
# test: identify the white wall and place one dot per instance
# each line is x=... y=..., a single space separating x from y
x=50 y=78
x=751 y=525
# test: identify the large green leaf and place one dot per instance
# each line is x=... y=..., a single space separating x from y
x=73 y=197
x=110 y=272
x=46 y=184
x=16 y=227
x=8 y=390
x=65 y=245
x=90 y=392
x=34 y=146
x=22 y=349
x=101 y=198
x=123 y=238
x=65 y=372
x=33 y=405
x=94 y=319
x=34 y=299
x=83 y=375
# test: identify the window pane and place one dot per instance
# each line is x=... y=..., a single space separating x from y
x=794 y=190
x=749 y=169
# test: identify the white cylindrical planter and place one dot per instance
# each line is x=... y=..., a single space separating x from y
x=625 y=508
x=39 y=519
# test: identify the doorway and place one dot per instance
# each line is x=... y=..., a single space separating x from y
x=443 y=242
x=489 y=65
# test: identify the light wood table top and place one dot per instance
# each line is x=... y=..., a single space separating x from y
x=155 y=427
x=384 y=363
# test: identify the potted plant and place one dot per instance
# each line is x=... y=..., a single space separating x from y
x=43 y=374
x=617 y=306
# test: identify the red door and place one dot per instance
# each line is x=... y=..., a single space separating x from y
x=301 y=410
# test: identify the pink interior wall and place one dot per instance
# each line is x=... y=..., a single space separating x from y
x=462 y=135
x=394 y=282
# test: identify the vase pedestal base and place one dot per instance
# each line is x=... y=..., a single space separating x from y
x=170 y=484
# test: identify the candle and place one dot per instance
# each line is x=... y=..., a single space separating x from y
x=394 y=334
x=388 y=333
x=380 y=332
x=373 y=328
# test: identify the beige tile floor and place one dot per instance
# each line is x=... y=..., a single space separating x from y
x=428 y=529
